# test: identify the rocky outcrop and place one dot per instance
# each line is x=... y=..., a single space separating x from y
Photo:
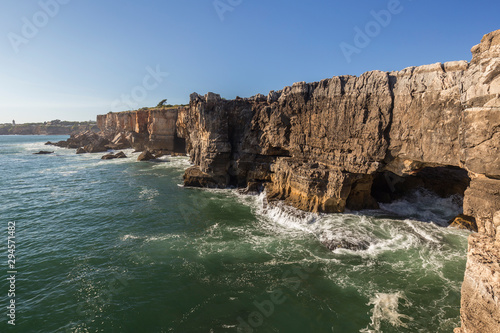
x=88 y=142
x=464 y=222
x=152 y=129
x=112 y=156
x=331 y=145
x=146 y=129
x=146 y=156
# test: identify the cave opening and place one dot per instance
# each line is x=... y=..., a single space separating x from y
x=179 y=145
x=436 y=193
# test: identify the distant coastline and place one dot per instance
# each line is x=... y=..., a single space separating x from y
x=55 y=127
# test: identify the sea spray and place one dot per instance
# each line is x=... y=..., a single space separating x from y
x=386 y=309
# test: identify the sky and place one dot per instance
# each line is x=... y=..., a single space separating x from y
x=75 y=59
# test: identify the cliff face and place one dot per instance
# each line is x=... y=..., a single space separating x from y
x=152 y=129
x=325 y=146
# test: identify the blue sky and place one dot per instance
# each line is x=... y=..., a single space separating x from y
x=89 y=57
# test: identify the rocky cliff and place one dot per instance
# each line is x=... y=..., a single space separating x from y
x=348 y=142
x=151 y=129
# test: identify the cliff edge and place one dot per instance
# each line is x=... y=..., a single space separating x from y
x=350 y=142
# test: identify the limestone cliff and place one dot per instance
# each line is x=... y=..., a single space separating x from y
x=152 y=129
x=326 y=146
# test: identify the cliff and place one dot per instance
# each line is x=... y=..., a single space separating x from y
x=348 y=142
x=146 y=129
x=152 y=129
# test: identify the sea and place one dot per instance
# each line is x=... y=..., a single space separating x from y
x=121 y=246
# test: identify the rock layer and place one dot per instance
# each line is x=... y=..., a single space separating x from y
x=320 y=146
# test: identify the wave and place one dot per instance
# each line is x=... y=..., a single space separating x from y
x=385 y=309
x=425 y=206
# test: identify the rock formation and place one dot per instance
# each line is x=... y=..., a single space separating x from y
x=337 y=144
x=347 y=143
x=145 y=129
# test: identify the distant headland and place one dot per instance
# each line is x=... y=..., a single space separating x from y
x=54 y=127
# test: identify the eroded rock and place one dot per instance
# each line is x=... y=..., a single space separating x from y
x=146 y=156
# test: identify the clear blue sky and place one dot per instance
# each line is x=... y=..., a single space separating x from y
x=82 y=60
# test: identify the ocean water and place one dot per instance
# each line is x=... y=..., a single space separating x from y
x=121 y=246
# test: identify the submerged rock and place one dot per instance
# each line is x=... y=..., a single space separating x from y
x=43 y=152
x=335 y=244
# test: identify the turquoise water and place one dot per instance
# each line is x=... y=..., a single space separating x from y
x=121 y=246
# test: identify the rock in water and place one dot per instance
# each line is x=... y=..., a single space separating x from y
x=333 y=245
x=108 y=157
x=194 y=177
x=112 y=156
x=43 y=152
x=463 y=222
x=120 y=155
x=80 y=151
x=146 y=156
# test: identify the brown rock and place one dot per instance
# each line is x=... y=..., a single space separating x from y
x=196 y=178
x=480 y=310
x=108 y=157
x=80 y=150
x=120 y=155
x=146 y=156
x=463 y=222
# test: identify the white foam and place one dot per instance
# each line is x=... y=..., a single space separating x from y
x=148 y=194
x=147 y=239
x=385 y=309
x=426 y=206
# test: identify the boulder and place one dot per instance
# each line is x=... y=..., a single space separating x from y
x=463 y=222
x=120 y=155
x=81 y=150
x=146 y=156
x=194 y=177
x=112 y=156
x=108 y=157
x=43 y=152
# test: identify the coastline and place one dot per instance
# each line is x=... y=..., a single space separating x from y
x=344 y=142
